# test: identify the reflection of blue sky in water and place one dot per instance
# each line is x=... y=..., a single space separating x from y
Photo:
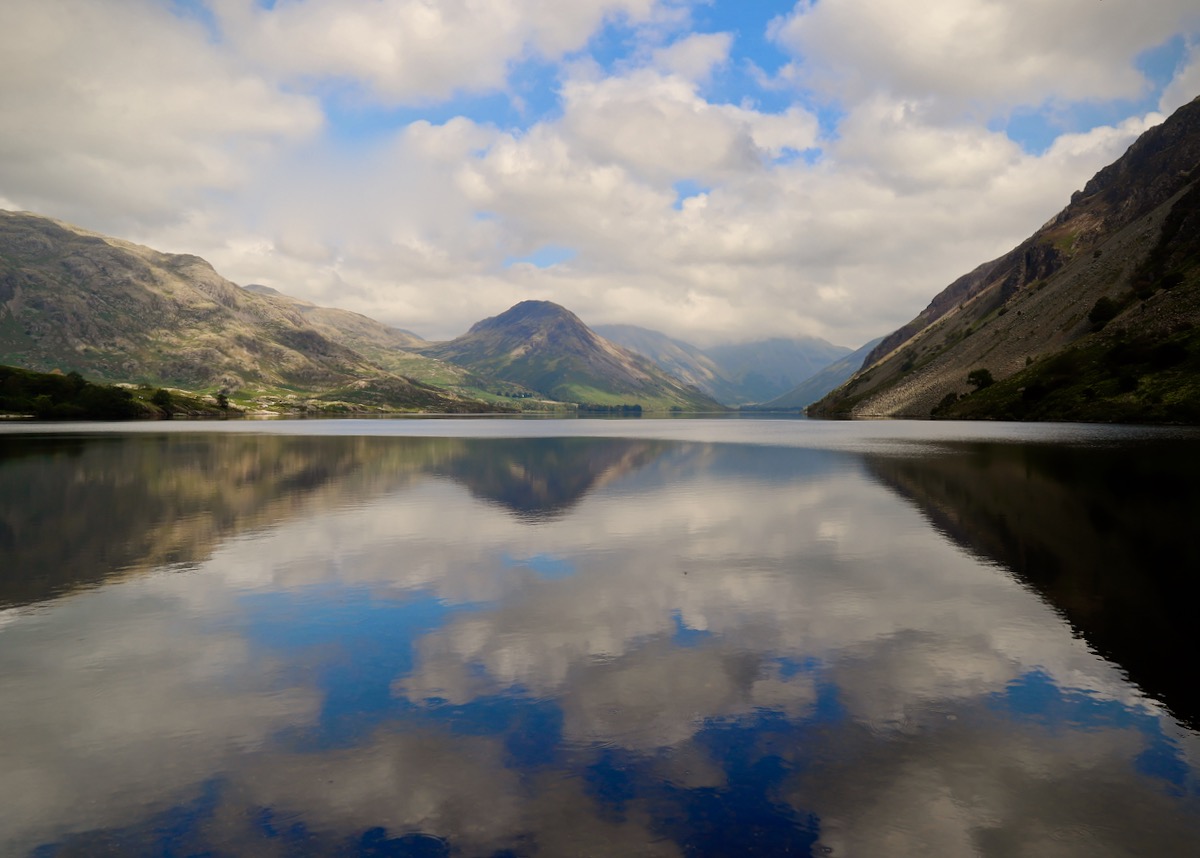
x=349 y=644
x=732 y=651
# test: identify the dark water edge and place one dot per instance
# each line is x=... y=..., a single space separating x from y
x=754 y=640
x=1107 y=537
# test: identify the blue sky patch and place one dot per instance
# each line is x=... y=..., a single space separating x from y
x=545 y=257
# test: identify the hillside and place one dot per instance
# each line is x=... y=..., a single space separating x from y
x=733 y=373
x=831 y=377
x=72 y=300
x=675 y=357
x=765 y=369
x=392 y=349
x=546 y=348
x=1091 y=318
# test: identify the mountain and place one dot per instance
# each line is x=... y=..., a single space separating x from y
x=360 y=332
x=735 y=374
x=392 y=349
x=74 y=300
x=547 y=348
x=675 y=357
x=765 y=369
x=812 y=389
x=1094 y=317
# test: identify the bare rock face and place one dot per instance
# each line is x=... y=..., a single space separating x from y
x=1127 y=238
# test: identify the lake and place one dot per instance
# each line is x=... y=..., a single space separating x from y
x=598 y=637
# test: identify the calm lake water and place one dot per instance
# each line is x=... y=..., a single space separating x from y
x=626 y=638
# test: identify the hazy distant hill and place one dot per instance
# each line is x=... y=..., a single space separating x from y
x=547 y=348
x=812 y=389
x=765 y=369
x=681 y=360
x=734 y=374
x=112 y=310
x=1094 y=317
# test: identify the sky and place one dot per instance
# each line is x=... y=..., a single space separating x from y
x=719 y=170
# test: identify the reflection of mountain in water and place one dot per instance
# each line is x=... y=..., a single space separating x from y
x=545 y=477
x=1108 y=539
x=76 y=510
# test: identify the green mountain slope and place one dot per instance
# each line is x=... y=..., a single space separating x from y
x=393 y=349
x=548 y=349
x=1092 y=318
x=73 y=300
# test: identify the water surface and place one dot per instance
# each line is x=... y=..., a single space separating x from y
x=491 y=638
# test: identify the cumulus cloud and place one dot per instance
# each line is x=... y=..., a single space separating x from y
x=694 y=57
x=411 y=51
x=123 y=112
x=976 y=54
x=1186 y=84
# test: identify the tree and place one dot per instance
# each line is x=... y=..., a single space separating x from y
x=162 y=398
x=1103 y=311
x=980 y=378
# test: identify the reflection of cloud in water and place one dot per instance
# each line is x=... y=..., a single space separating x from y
x=154 y=703
x=458 y=784
x=975 y=783
x=888 y=665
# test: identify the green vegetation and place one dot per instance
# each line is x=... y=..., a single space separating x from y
x=980 y=378
x=1121 y=378
x=585 y=408
x=1103 y=311
x=53 y=396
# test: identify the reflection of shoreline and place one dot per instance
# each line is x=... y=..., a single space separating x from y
x=76 y=511
x=1106 y=539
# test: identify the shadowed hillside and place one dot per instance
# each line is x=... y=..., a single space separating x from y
x=1094 y=317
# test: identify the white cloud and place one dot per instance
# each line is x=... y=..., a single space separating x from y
x=413 y=51
x=123 y=112
x=659 y=127
x=694 y=57
x=1186 y=84
x=978 y=54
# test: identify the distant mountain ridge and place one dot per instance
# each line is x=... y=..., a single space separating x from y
x=732 y=373
x=676 y=357
x=1093 y=317
x=831 y=377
